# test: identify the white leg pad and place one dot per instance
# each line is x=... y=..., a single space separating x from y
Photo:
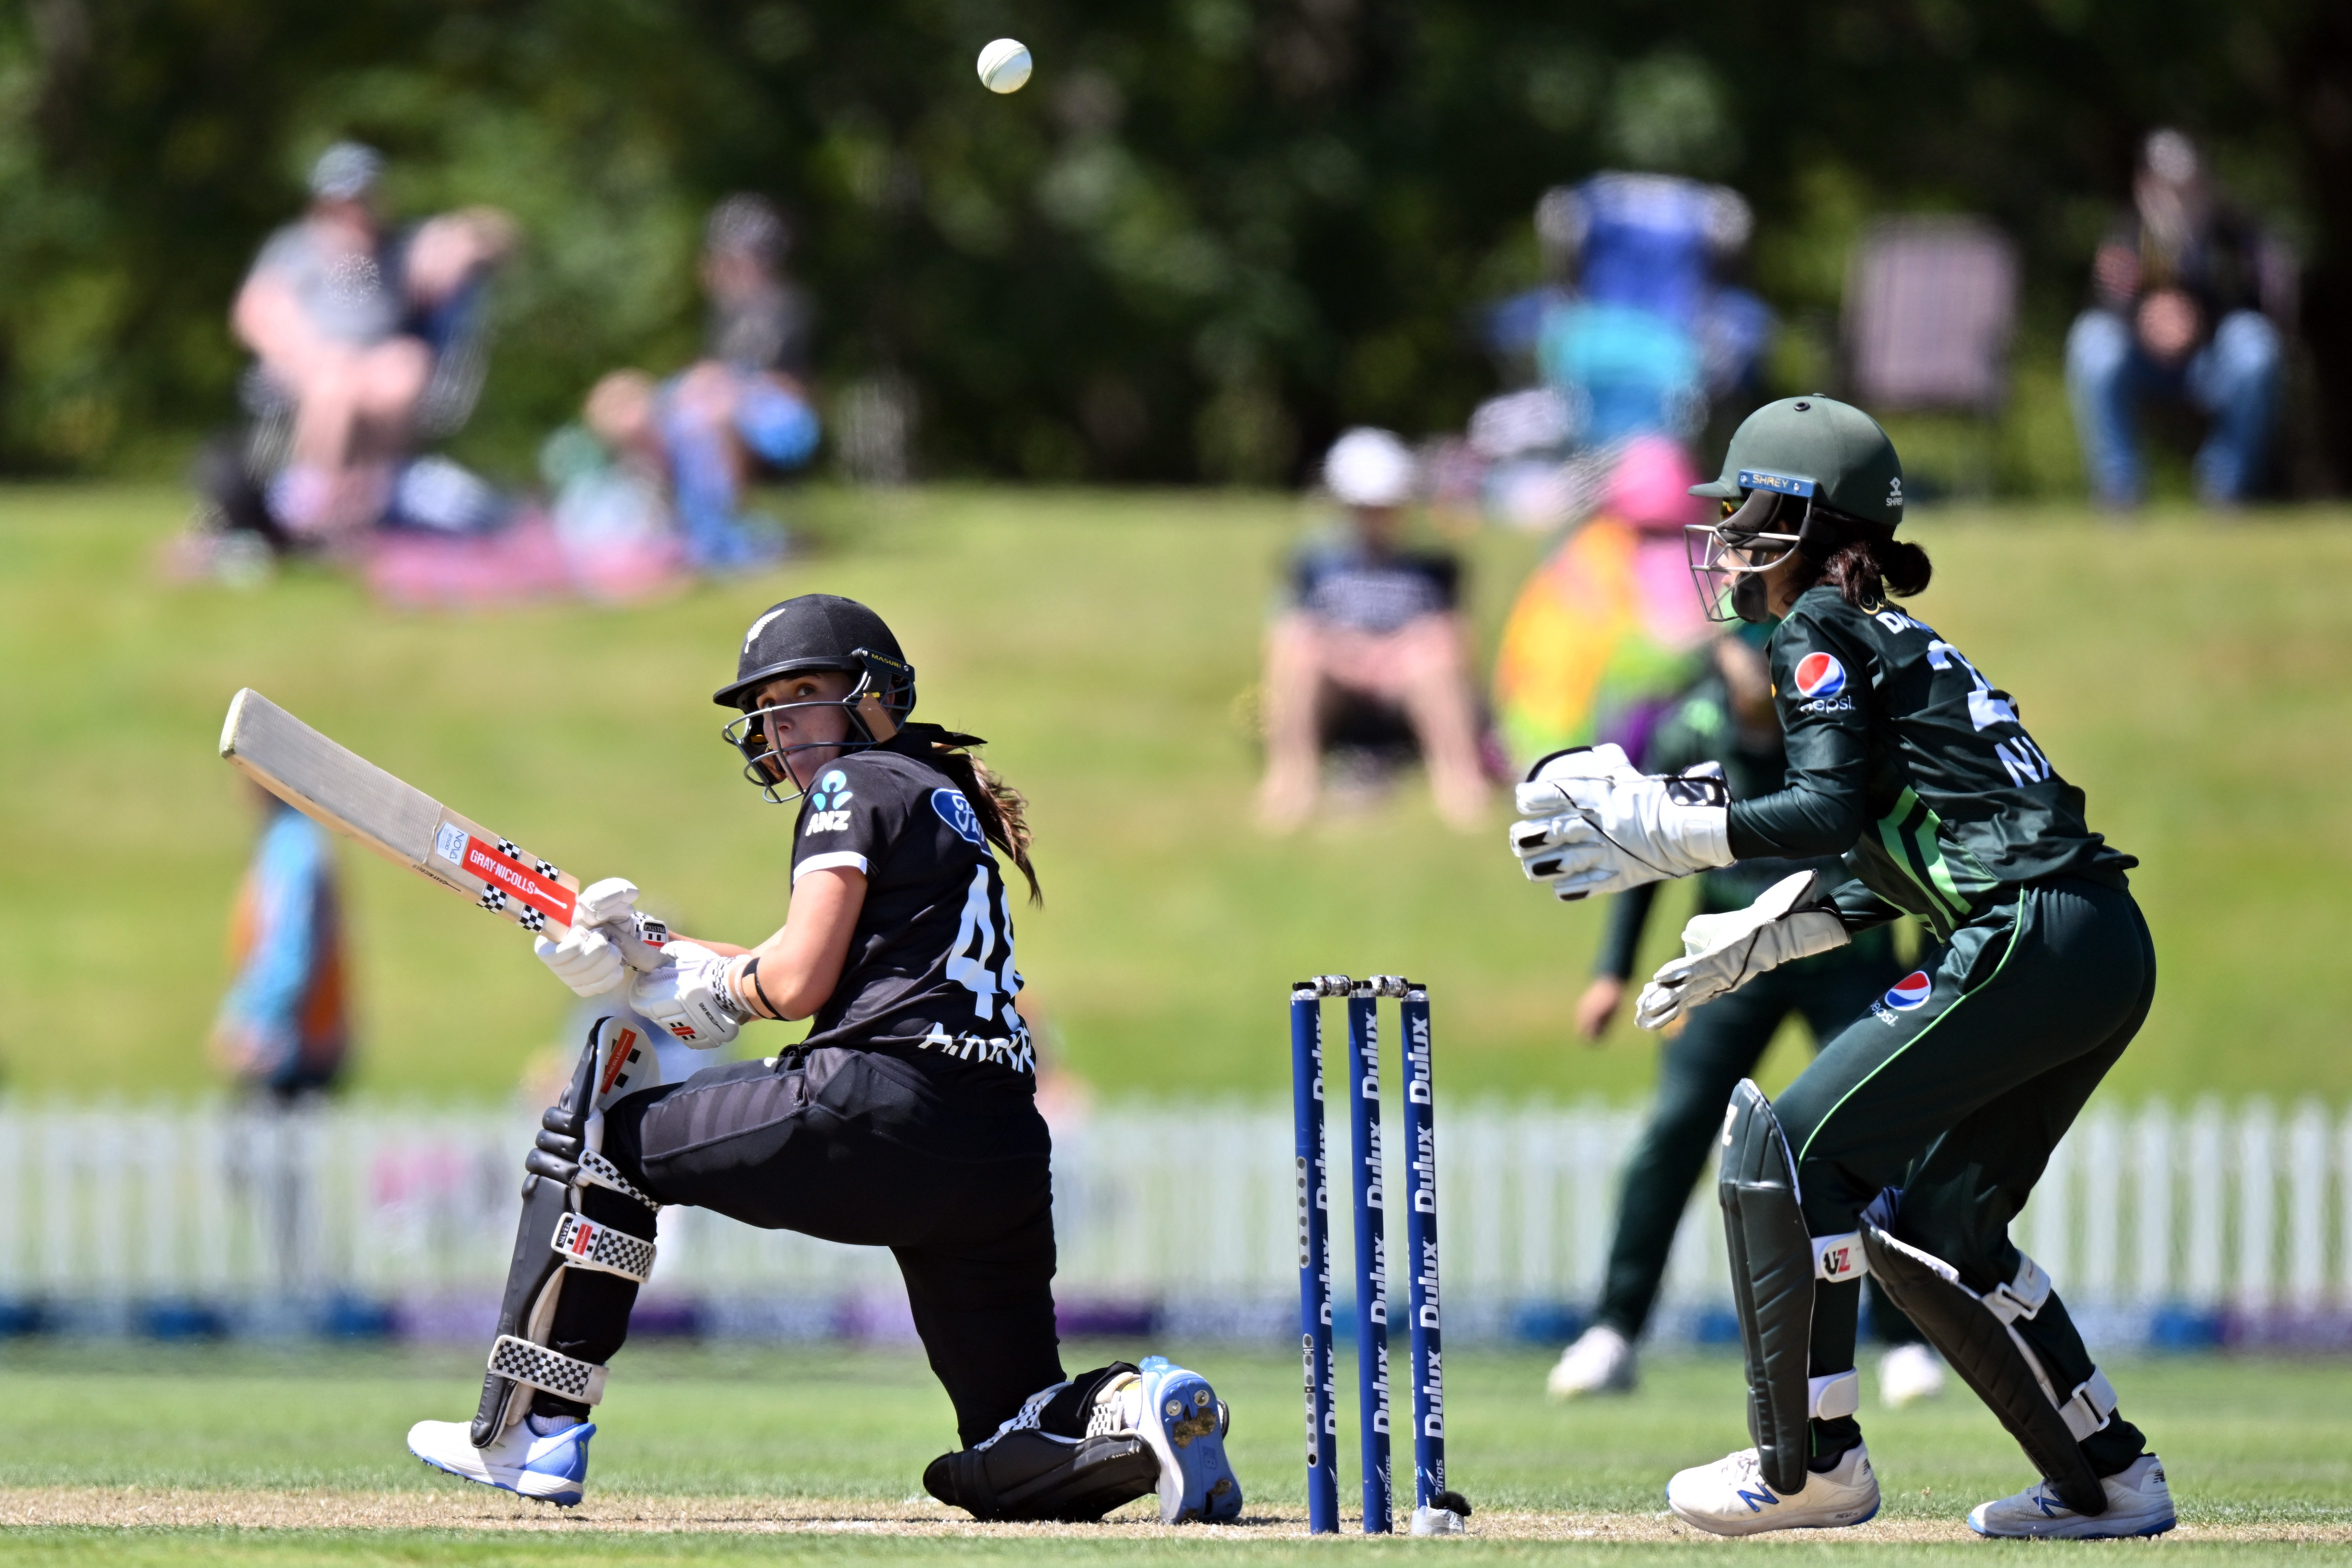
x=584 y=1244
x=1837 y=1258
x=536 y=1366
x=1838 y=1395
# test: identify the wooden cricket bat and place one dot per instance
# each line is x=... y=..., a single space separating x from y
x=405 y=825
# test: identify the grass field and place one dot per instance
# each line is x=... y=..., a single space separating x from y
x=710 y=1456
x=2196 y=678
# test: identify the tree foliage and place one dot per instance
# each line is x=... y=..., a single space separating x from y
x=1207 y=235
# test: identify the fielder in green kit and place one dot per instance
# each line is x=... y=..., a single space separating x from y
x=1916 y=1135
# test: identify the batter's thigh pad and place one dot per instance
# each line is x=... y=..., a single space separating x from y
x=1057 y=1459
x=554 y=1235
x=1774 y=1265
x=1977 y=1334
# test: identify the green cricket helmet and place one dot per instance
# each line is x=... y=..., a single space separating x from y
x=1806 y=474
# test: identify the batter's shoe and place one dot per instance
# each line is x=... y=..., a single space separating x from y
x=1908 y=1374
x=1599 y=1362
x=1730 y=1497
x=1184 y=1424
x=2138 y=1503
x=535 y=1458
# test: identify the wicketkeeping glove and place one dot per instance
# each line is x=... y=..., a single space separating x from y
x=689 y=996
x=1595 y=824
x=1723 y=952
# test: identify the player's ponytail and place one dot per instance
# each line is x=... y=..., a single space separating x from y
x=1869 y=563
x=1003 y=810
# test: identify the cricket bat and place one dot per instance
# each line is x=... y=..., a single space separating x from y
x=407 y=826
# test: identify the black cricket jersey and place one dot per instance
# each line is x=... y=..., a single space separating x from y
x=929 y=977
x=1906 y=760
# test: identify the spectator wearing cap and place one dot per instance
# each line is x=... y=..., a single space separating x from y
x=744 y=406
x=330 y=309
x=2187 y=297
x=1369 y=619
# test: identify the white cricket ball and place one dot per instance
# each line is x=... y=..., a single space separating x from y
x=1005 y=65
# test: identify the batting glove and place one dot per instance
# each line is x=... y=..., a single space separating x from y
x=689 y=996
x=586 y=960
x=1593 y=824
x=1723 y=952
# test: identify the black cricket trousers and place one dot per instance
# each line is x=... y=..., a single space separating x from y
x=855 y=1147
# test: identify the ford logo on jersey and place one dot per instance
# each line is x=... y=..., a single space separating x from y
x=1910 y=991
x=1819 y=675
x=957 y=812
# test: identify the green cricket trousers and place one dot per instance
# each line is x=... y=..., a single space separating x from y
x=1955 y=1091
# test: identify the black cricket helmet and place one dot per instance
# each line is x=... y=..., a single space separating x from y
x=1805 y=474
x=813 y=632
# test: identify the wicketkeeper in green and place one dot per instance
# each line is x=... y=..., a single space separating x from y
x=1727 y=718
x=1916 y=1135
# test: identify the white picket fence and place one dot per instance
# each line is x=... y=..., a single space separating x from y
x=1182 y=1207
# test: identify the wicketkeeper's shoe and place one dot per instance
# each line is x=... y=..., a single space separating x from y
x=535 y=1457
x=2138 y=1503
x=1730 y=1497
x=1185 y=1427
x=1908 y=1373
x=1599 y=1362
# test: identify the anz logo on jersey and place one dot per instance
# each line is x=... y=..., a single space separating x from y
x=825 y=812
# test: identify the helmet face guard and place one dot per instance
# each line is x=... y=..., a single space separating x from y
x=767 y=766
x=1755 y=534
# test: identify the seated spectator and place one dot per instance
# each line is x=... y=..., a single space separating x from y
x=2178 y=290
x=1369 y=619
x=744 y=404
x=346 y=319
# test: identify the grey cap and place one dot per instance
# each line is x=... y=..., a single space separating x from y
x=346 y=172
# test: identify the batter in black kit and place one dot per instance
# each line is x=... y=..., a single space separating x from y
x=1919 y=1133
x=906 y=1118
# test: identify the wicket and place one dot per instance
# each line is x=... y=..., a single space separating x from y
x=1436 y=1510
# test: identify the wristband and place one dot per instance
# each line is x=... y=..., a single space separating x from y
x=747 y=969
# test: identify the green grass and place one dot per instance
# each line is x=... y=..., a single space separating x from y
x=2197 y=679
x=2247 y=1443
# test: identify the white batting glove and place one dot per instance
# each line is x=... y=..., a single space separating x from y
x=1723 y=952
x=586 y=960
x=689 y=996
x=1593 y=824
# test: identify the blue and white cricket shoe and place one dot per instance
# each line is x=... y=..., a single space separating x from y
x=1185 y=1427
x=2139 y=1502
x=534 y=1459
x=1730 y=1497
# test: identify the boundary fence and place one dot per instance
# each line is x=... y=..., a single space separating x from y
x=2212 y=1223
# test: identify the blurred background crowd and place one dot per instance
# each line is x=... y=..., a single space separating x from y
x=1209 y=238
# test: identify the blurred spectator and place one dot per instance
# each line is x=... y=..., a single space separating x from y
x=1607 y=633
x=744 y=404
x=351 y=320
x=1639 y=334
x=2178 y=292
x=1649 y=331
x=1368 y=620
x=284 y=1028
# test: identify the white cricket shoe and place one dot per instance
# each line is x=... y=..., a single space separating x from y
x=2138 y=1503
x=1908 y=1374
x=535 y=1457
x=1599 y=1362
x=1730 y=1497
